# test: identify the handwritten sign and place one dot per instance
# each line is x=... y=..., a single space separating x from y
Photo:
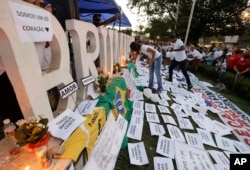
x=33 y=23
x=64 y=124
x=68 y=90
x=87 y=80
x=108 y=145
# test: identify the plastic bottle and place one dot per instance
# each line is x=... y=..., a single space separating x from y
x=9 y=129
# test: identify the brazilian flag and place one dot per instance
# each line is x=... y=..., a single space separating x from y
x=116 y=100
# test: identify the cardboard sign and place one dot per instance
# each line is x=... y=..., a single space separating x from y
x=87 y=80
x=68 y=90
x=33 y=23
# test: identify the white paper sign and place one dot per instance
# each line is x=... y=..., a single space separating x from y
x=64 y=124
x=190 y=158
x=163 y=102
x=168 y=119
x=107 y=147
x=138 y=105
x=219 y=157
x=220 y=128
x=163 y=109
x=156 y=129
x=152 y=117
x=206 y=137
x=165 y=147
x=161 y=163
x=225 y=143
x=241 y=147
x=33 y=23
x=150 y=107
x=86 y=107
x=137 y=153
x=135 y=127
x=175 y=133
x=194 y=140
x=184 y=123
x=68 y=89
x=139 y=113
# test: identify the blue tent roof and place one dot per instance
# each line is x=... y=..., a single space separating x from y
x=105 y=7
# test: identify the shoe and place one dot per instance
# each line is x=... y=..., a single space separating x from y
x=190 y=87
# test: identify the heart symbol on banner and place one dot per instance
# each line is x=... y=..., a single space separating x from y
x=47 y=29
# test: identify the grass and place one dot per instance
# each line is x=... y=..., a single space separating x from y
x=150 y=142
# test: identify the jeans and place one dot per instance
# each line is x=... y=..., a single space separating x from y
x=182 y=65
x=155 y=68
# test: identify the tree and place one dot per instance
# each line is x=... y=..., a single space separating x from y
x=210 y=18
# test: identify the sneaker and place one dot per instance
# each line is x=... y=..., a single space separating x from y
x=190 y=87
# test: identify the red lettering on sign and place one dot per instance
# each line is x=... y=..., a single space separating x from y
x=247 y=141
x=242 y=132
x=234 y=124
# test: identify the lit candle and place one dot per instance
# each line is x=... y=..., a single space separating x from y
x=27 y=167
x=116 y=69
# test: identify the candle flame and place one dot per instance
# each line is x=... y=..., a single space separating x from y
x=27 y=168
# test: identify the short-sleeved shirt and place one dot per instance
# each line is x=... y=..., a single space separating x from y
x=179 y=55
x=195 y=53
x=144 y=51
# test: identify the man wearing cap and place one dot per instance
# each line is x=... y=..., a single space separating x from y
x=97 y=19
x=180 y=58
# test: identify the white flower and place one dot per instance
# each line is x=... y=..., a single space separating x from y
x=21 y=122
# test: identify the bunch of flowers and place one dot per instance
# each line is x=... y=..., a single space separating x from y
x=31 y=131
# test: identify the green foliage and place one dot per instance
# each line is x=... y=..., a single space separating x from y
x=30 y=132
x=102 y=80
x=210 y=17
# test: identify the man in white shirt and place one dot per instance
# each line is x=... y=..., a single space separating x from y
x=179 y=59
x=196 y=57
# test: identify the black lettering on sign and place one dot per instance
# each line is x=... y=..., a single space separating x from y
x=68 y=90
x=87 y=80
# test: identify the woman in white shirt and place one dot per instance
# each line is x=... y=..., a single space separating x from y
x=155 y=61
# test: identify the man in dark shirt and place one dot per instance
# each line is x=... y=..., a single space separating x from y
x=97 y=19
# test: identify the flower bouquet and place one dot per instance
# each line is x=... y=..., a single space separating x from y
x=32 y=132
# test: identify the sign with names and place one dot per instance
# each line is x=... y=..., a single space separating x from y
x=137 y=153
x=225 y=143
x=202 y=120
x=161 y=163
x=163 y=102
x=164 y=97
x=185 y=123
x=163 y=109
x=220 y=158
x=64 y=124
x=206 y=137
x=150 y=108
x=139 y=113
x=107 y=147
x=68 y=89
x=33 y=23
x=86 y=107
x=87 y=80
x=189 y=158
x=165 y=147
x=175 y=133
x=179 y=113
x=168 y=119
x=219 y=128
x=156 y=129
x=138 y=105
x=135 y=127
x=194 y=140
x=152 y=117
x=241 y=147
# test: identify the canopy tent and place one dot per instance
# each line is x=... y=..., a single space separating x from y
x=105 y=7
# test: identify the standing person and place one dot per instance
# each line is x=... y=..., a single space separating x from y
x=155 y=60
x=196 y=55
x=179 y=59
